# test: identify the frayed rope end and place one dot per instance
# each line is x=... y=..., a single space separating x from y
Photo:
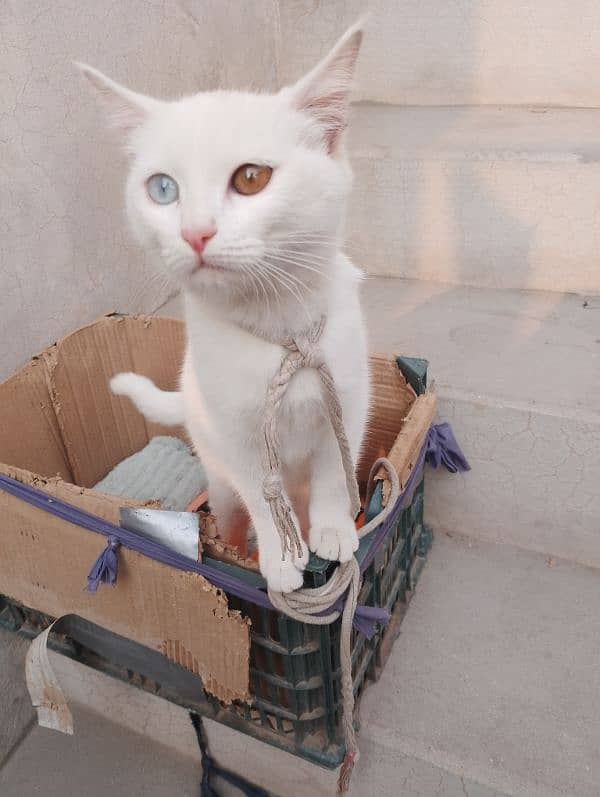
x=346 y=770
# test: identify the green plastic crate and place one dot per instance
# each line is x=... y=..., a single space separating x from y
x=294 y=666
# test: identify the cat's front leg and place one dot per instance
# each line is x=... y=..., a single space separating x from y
x=282 y=573
x=332 y=531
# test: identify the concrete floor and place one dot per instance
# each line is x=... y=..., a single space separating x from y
x=491 y=690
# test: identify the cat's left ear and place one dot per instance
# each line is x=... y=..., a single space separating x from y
x=126 y=109
x=324 y=92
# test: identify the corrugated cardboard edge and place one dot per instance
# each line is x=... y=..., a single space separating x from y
x=104 y=506
x=410 y=440
x=219 y=549
x=391 y=399
x=97 y=429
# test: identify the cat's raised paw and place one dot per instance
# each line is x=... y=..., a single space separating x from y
x=129 y=384
x=336 y=544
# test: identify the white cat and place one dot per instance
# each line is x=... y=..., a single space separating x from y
x=243 y=197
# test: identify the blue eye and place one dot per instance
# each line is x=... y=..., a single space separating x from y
x=162 y=189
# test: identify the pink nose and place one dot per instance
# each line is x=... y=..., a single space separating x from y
x=198 y=239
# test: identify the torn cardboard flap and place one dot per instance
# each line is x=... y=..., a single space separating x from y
x=104 y=506
x=45 y=561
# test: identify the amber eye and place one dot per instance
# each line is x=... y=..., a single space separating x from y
x=250 y=179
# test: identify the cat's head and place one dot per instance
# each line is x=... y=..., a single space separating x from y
x=236 y=190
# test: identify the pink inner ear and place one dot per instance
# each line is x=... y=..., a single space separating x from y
x=324 y=92
x=330 y=113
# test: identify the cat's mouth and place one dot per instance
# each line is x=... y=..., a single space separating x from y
x=202 y=264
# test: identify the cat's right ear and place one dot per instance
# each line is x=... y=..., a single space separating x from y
x=324 y=93
x=126 y=110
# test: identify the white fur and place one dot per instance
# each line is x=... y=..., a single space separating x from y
x=275 y=265
x=160 y=406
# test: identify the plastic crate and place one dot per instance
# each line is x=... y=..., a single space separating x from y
x=294 y=666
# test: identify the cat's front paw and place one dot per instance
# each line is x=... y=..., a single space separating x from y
x=334 y=542
x=284 y=575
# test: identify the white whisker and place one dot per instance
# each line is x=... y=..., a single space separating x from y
x=288 y=276
x=299 y=264
x=296 y=295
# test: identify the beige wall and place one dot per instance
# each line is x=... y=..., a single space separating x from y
x=66 y=256
x=458 y=52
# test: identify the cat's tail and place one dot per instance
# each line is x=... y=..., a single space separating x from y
x=160 y=406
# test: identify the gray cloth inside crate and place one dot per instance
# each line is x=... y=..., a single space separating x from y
x=164 y=470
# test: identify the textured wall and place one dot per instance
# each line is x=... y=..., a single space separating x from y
x=66 y=254
x=458 y=52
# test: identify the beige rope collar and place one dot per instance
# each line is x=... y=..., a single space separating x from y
x=310 y=605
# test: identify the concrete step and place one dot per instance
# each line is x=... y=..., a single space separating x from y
x=518 y=376
x=491 y=690
x=427 y=52
x=102 y=757
x=16 y=713
x=494 y=674
x=491 y=197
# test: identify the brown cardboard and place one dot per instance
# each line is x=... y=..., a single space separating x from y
x=45 y=562
x=99 y=429
x=391 y=400
x=29 y=434
x=410 y=440
x=65 y=426
x=104 y=506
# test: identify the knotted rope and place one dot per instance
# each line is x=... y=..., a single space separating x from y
x=303 y=352
x=314 y=606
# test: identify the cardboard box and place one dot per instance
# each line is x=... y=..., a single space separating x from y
x=63 y=430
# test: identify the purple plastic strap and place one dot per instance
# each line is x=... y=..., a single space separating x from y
x=105 y=568
x=367 y=619
x=442 y=449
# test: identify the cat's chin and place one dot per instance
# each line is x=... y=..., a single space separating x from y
x=206 y=277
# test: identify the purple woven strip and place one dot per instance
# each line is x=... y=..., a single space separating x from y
x=105 y=568
x=442 y=449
